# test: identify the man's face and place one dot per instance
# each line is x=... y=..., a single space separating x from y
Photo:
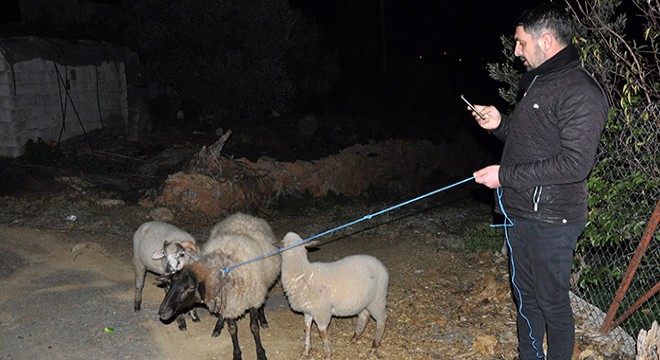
x=528 y=49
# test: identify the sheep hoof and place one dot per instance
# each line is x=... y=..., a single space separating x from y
x=194 y=316
x=181 y=324
x=355 y=338
x=374 y=351
x=136 y=307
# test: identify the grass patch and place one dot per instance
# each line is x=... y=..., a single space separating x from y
x=482 y=238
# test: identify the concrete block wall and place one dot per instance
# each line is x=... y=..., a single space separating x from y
x=37 y=104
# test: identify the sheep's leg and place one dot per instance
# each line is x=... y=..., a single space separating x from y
x=322 y=322
x=380 y=329
x=262 y=317
x=379 y=313
x=139 y=284
x=218 y=326
x=363 y=318
x=193 y=315
x=233 y=330
x=308 y=330
x=181 y=322
x=255 y=316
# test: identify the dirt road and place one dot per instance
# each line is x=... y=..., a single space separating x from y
x=66 y=284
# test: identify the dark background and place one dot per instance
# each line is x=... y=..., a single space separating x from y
x=403 y=64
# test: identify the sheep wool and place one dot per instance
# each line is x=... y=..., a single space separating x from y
x=239 y=238
x=235 y=240
x=354 y=285
x=148 y=240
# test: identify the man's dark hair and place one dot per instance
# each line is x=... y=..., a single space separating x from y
x=547 y=17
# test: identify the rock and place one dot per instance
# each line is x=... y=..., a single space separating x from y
x=162 y=214
x=485 y=345
x=110 y=202
x=648 y=343
x=75 y=182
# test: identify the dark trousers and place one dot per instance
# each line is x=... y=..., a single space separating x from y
x=541 y=256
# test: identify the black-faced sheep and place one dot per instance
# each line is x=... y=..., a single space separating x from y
x=161 y=248
x=354 y=285
x=236 y=239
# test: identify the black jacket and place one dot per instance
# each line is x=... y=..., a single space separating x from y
x=551 y=141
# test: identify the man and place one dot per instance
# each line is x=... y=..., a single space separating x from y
x=550 y=147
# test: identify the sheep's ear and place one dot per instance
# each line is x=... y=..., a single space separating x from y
x=290 y=238
x=193 y=254
x=190 y=246
x=158 y=254
x=312 y=244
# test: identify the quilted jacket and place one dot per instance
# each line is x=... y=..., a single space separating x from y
x=551 y=141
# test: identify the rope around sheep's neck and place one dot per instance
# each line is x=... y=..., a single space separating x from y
x=367 y=217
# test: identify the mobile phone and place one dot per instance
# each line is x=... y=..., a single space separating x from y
x=472 y=107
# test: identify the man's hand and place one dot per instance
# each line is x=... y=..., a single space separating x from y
x=491 y=116
x=488 y=176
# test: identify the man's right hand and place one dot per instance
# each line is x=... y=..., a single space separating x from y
x=491 y=116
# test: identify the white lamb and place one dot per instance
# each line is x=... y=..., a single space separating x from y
x=354 y=285
x=161 y=248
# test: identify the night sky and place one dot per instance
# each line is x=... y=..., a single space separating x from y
x=467 y=31
x=464 y=28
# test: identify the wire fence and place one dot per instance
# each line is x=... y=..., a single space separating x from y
x=616 y=275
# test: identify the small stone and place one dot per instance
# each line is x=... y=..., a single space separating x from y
x=162 y=214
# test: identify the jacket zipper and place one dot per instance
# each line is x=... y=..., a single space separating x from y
x=536 y=198
x=530 y=85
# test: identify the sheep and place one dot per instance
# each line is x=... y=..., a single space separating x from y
x=228 y=294
x=161 y=248
x=354 y=285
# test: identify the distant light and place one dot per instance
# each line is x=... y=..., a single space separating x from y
x=420 y=57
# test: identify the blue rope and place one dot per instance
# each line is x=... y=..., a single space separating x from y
x=508 y=223
x=367 y=217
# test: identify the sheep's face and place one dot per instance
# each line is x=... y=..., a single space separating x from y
x=183 y=292
x=179 y=254
x=176 y=259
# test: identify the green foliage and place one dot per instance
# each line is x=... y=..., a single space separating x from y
x=505 y=72
x=236 y=59
x=480 y=239
x=607 y=277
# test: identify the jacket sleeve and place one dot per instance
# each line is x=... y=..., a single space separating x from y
x=581 y=117
x=502 y=130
